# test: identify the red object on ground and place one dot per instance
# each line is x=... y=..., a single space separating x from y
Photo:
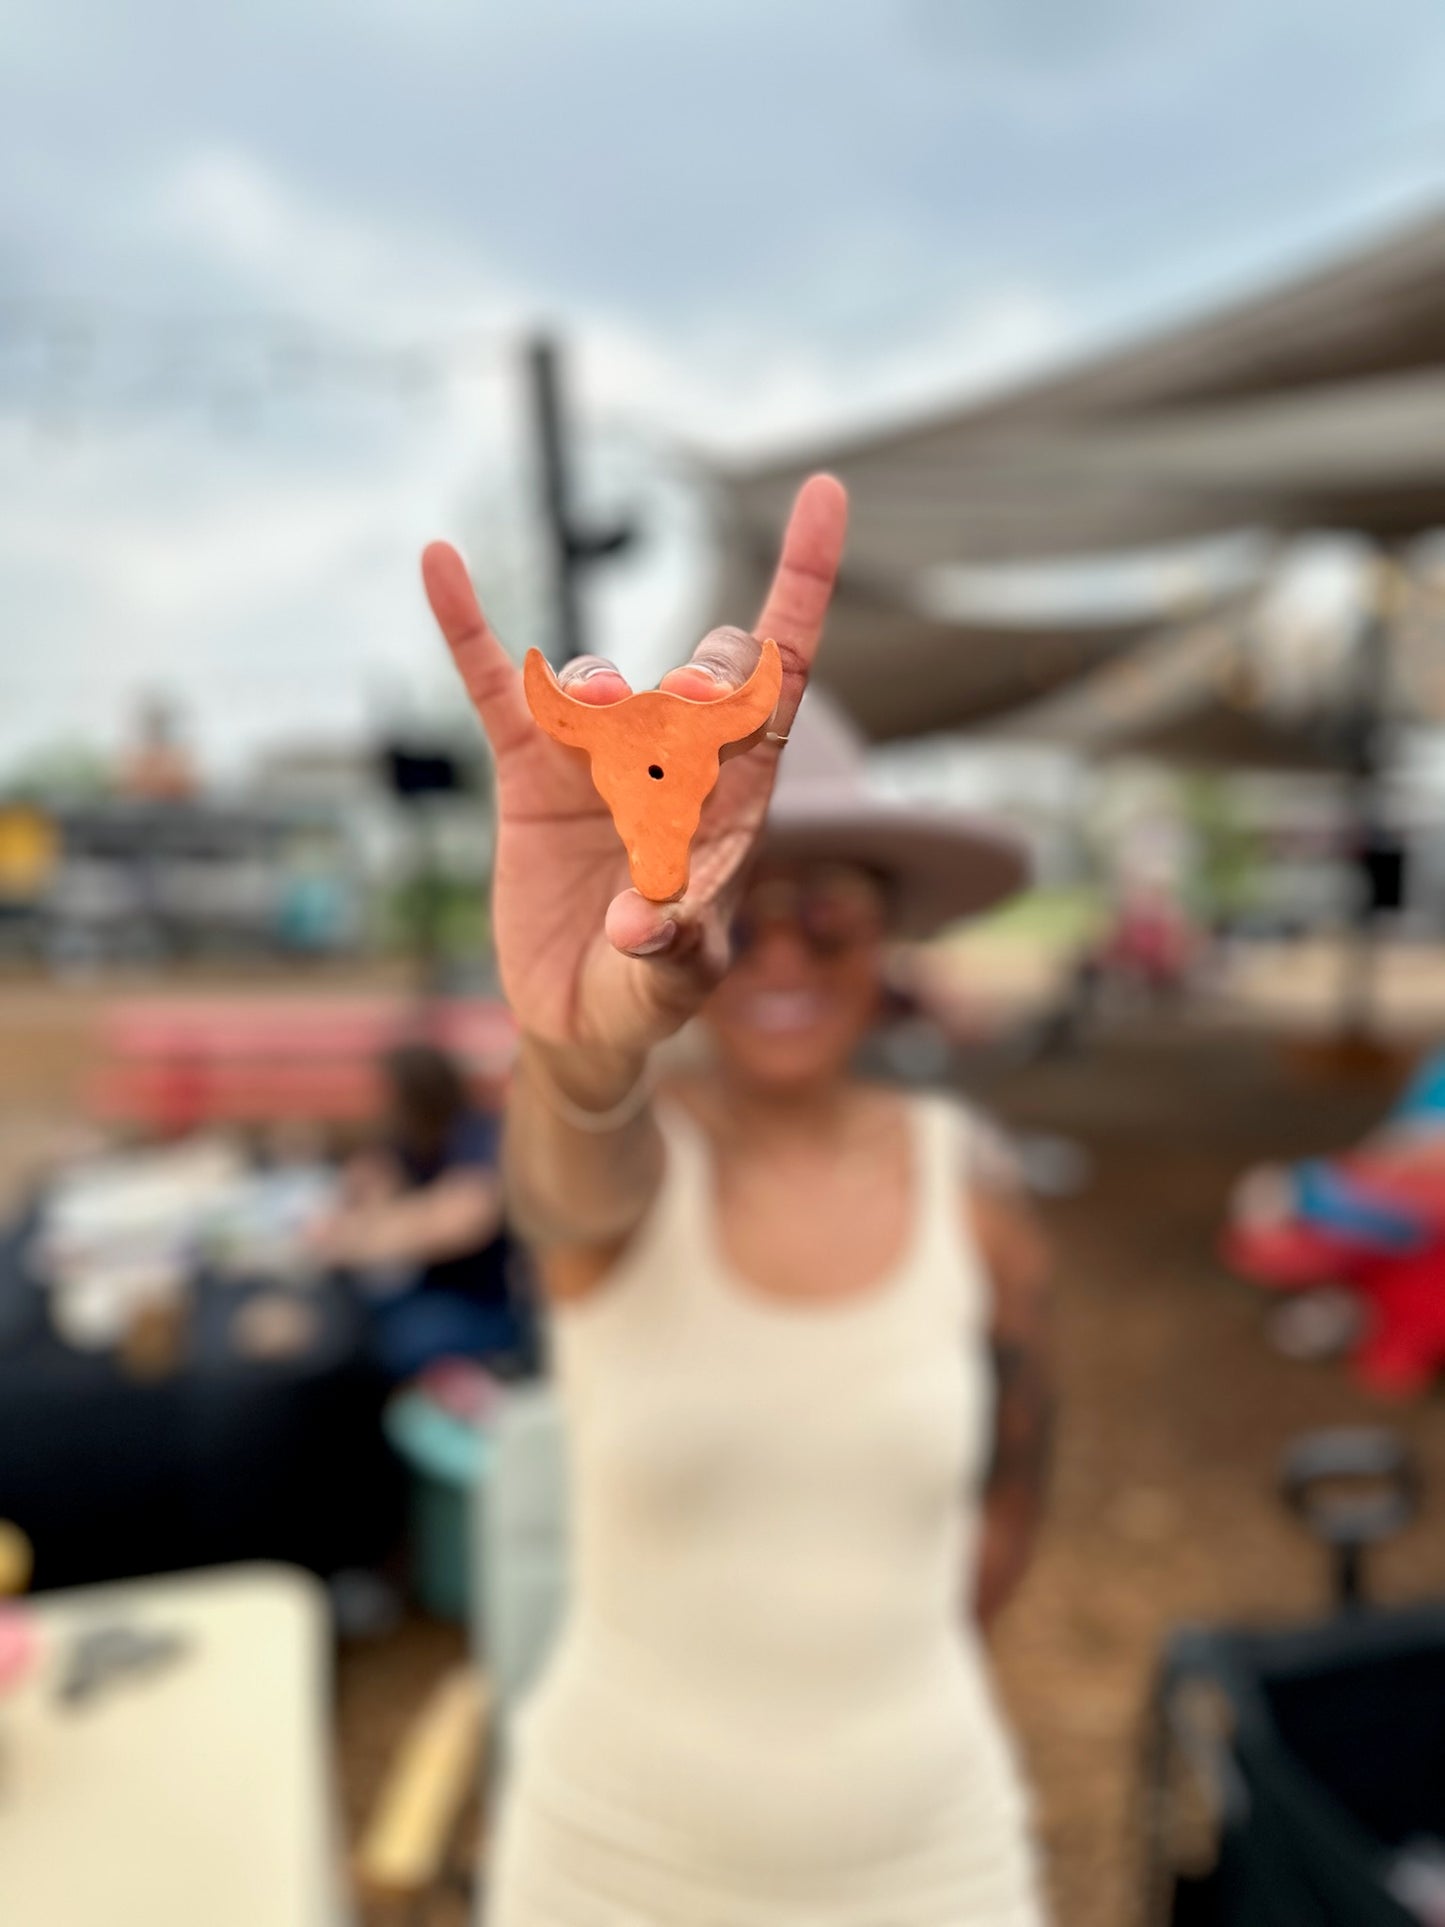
x=1286 y=1257
x=1403 y=1349
x=172 y=1064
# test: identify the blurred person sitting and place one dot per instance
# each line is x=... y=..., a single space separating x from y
x=421 y=1224
x=799 y=1324
x=158 y=768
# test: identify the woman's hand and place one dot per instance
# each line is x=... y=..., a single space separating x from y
x=585 y=961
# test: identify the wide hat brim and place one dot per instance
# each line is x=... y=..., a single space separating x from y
x=941 y=865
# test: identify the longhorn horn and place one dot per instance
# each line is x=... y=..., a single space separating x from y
x=750 y=706
x=562 y=716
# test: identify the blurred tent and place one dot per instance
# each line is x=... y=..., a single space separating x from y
x=938 y=673
x=1317 y=405
x=1194 y=697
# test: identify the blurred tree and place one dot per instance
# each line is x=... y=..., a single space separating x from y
x=1228 y=858
x=69 y=770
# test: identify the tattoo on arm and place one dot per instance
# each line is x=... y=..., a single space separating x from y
x=1019 y=1268
x=1024 y=1417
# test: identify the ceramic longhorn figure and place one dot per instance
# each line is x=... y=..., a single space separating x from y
x=655 y=758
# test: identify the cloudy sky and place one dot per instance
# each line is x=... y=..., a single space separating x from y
x=264 y=271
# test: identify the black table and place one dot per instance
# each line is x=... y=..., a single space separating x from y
x=226 y=1458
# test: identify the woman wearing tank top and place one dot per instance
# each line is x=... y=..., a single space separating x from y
x=798 y=1330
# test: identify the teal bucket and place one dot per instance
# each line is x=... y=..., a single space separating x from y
x=446 y=1458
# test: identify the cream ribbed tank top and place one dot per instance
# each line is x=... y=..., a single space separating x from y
x=768 y=1706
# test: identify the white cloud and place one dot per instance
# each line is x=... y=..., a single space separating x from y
x=296 y=253
x=729 y=378
x=754 y=226
x=264 y=599
x=268 y=579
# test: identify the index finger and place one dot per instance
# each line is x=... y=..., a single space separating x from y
x=491 y=677
x=802 y=586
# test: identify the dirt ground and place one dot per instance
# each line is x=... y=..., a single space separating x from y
x=1175 y=1412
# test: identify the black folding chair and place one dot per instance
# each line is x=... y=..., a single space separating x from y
x=1296 y=1777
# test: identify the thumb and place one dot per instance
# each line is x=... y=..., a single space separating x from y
x=680 y=950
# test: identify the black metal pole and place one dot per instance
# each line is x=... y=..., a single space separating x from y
x=1366 y=789
x=1349 y=1575
x=567 y=633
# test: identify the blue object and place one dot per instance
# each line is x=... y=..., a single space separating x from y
x=1424 y=1098
x=414 y=1330
x=1330 y=1201
x=447 y=1458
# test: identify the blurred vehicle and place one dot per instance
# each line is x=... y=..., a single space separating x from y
x=30 y=853
x=139 y=880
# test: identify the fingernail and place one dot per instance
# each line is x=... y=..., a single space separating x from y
x=660 y=939
x=585 y=671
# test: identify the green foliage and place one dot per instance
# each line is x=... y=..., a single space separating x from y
x=68 y=771
x=1049 y=920
x=1229 y=866
x=433 y=915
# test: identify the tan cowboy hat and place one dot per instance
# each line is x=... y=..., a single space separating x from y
x=941 y=864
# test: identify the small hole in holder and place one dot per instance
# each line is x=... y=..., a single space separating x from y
x=654 y=770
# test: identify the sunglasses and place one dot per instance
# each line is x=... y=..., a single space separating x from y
x=830 y=913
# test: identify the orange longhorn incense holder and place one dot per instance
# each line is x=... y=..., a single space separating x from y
x=655 y=758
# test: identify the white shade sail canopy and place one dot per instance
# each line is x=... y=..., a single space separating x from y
x=1317 y=405
x=901 y=668
x=1334 y=384
x=1191 y=698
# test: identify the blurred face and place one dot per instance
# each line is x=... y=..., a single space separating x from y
x=806 y=976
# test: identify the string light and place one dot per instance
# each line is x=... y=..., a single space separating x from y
x=71 y=364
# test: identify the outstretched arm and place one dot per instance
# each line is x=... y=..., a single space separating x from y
x=597 y=975
x=457 y=1213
